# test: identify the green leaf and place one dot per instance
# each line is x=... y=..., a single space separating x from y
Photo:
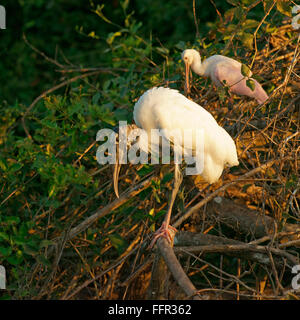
x=125 y=4
x=167 y=177
x=4 y=236
x=233 y=2
x=108 y=119
x=250 y=84
x=3 y=164
x=99 y=12
x=93 y=35
x=247 y=40
x=5 y=251
x=250 y=24
x=96 y=98
x=20 y=240
x=43 y=260
x=267 y=5
x=284 y=7
x=159 y=214
x=118 y=242
x=180 y=45
x=239 y=12
x=270 y=28
x=15 y=259
x=144 y=170
x=163 y=50
x=221 y=93
x=12 y=220
x=30 y=250
x=248 y=2
x=246 y=72
x=5 y=297
x=229 y=14
x=112 y=35
x=15 y=167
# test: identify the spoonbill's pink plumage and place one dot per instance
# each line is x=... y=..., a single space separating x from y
x=220 y=68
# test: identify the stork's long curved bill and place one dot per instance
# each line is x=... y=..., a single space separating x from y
x=187 y=82
x=124 y=131
x=116 y=176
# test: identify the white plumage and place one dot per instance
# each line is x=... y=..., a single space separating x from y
x=164 y=108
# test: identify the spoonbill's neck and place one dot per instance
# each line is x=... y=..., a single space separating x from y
x=197 y=66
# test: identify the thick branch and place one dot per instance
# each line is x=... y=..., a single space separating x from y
x=175 y=268
x=191 y=242
x=247 y=221
x=223 y=188
x=132 y=192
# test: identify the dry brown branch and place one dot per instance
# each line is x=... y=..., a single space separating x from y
x=42 y=53
x=114 y=265
x=245 y=220
x=138 y=271
x=236 y=279
x=132 y=192
x=176 y=269
x=265 y=199
x=158 y=288
x=256 y=30
x=101 y=69
x=222 y=189
x=195 y=20
x=186 y=241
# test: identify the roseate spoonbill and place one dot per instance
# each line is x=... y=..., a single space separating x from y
x=167 y=109
x=220 y=68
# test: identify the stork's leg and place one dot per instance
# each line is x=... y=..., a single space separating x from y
x=164 y=230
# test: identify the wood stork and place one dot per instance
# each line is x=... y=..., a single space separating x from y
x=220 y=68
x=164 y=108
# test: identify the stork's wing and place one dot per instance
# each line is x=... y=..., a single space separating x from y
x=181 y=113
x=167 y=109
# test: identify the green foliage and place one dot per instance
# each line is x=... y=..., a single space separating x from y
x=49 y=176
x=245 y=70
x=284 y=7
x=251 y=84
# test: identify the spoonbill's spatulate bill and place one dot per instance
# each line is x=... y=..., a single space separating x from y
x=220 y=68
x=164 y=108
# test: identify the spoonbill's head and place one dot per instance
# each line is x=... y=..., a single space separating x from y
x=189 y=56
